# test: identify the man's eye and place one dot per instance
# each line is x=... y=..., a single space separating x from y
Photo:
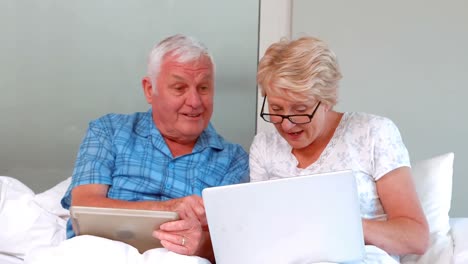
x=204 y=89
x=178 y=88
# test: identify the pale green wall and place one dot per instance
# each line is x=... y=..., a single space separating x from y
x=407 y=60
x=64 y=63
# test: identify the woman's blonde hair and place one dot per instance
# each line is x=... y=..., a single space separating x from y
x=300 y=69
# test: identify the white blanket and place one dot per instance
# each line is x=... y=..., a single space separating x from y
x=92 y=249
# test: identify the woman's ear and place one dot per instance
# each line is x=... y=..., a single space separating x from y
x=147 y=89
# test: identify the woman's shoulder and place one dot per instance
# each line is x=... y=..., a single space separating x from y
x=269 y=135
x=359 y=123
x=362 y=118
x=270 y=139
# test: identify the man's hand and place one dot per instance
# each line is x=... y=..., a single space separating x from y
x=184 y=236
x=190 y=207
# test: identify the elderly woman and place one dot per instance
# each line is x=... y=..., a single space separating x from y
x=299 y=79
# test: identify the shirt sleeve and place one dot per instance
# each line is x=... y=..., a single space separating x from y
x=95 y=160
x=389 y=151
x=257 y=158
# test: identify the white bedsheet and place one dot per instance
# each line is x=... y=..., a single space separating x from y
x=96 y=250
x=92 y=249
x=8 y=259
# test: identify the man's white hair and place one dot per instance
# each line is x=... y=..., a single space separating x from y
x=182 y=48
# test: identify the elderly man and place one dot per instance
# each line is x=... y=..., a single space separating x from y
x=162 y=159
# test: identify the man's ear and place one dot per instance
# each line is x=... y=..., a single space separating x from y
x=147 y=89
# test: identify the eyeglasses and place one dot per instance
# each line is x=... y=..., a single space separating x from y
x=295 y=119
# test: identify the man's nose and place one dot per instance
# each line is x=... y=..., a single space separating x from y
x=193 y=98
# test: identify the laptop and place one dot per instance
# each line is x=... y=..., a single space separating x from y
x=305 y=219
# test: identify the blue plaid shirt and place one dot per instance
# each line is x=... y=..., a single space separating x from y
x=128 y=153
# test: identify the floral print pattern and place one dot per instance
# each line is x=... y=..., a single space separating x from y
x=369 y=145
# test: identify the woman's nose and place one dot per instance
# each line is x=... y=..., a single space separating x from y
x=286 y=124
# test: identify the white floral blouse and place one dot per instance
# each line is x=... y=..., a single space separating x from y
x=369 y=145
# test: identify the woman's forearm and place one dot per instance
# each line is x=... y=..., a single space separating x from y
x=397 y=236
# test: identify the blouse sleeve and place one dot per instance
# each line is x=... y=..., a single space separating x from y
x=389 y=151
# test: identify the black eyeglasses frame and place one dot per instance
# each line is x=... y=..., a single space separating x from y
x=262 y=115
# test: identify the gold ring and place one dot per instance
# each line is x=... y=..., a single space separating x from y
x=183 y=241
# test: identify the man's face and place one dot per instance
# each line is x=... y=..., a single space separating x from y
x=183 y=103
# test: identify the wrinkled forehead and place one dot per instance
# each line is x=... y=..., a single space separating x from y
x=199 y=68
x=288 y=93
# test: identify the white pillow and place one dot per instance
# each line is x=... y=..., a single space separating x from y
x=459 y=232
x=24 y=224
x=433 y=182
x=50 y=199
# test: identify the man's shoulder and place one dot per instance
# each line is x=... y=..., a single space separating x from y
x=113 y=122
x=117 y=120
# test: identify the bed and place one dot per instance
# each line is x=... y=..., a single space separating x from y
x=32 y=221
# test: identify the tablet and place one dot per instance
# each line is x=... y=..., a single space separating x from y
x=134 y=227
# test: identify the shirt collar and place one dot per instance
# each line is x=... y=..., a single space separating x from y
x=208 y=138
x=145 y=124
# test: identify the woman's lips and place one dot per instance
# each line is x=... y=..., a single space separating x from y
x=294 y=135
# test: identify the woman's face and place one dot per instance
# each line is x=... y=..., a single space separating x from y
x=298 y=135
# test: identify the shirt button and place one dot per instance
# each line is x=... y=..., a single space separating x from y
x=167 y=186
x=171 y=165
